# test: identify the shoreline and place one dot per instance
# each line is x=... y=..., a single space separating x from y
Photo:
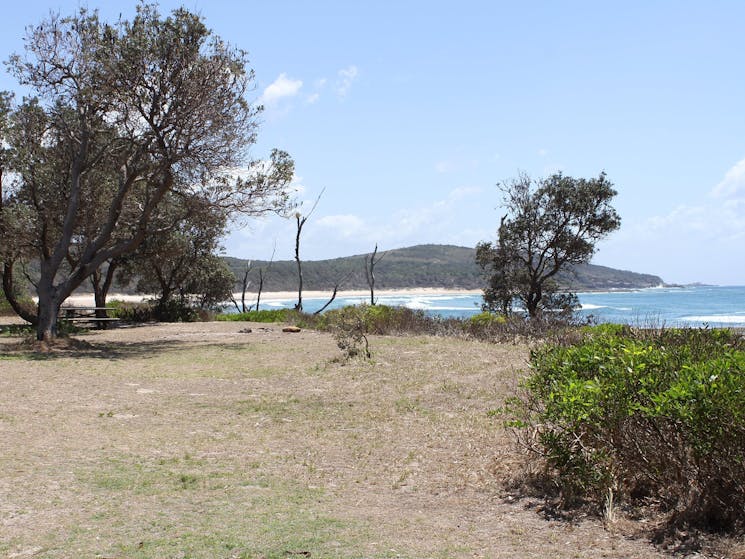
x=85 y=299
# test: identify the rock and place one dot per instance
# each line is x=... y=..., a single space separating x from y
x=290 y=329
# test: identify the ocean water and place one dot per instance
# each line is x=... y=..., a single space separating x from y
x=697 y=306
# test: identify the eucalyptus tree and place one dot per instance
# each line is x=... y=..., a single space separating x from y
x=182 y=248
x=125 y=114
x=549 y=223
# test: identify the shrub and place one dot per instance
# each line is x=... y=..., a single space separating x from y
x=266 y=315
x=486 y=319
x=382 y=319
x=646 y=414
x=150 y=311
x=350 y=326
x=131 y=312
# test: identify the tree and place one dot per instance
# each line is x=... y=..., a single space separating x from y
x=247 y=265
x=9 y=251
x=300 y=220
x=263 y=274
x=211 y=284
x=370 y=261
x=124 y=115
x=549 y=223
x=177 y=259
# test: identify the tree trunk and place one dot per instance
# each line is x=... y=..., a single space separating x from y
x=533 y=301
x=99 y=298
x=261 y=287
x=49 y=305
x=20 y=309
x=101 y=291
x=370 y=274
x=333 y=296
x=299 y=305
x=244 y=286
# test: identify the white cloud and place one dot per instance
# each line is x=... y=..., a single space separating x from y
x=345 y=77
x=281 y=87
x=318 y=86
x=405 y=226
x=733 y=183
x=543 y=152
x=432 y=220
x=444 y=166
x=344 y=225
x=696 y=242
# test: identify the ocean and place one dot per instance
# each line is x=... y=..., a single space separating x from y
x=695 y=306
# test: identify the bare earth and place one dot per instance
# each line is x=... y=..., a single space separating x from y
x=200 y=440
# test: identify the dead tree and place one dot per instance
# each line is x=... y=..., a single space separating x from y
x=333 y=295
x=370 y=262
x=262 y=276
x=300 y=220
x=244 y=287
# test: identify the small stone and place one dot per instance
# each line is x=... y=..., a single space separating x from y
x=290 y=329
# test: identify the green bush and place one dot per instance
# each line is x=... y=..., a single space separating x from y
x=382 y=319
x=645 y=414
x=131 y=312
x=486 y=319
x=350 y=326
x=5 y=308
x=267 y=315
x=154 y=311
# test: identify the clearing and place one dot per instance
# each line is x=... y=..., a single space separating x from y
x=204 y=441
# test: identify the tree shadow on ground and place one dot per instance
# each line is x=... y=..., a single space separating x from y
x=77 y=346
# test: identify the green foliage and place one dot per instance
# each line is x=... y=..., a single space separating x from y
x=486 y=319
x=381 y=319
x=421 y=266
x=89 y=186
x=16 y=330
x=154 y=311
x=266 y=315
x=175 y=310
x=20 y=290
x=131 y=312
x=5 y=308
x=646 y=414
x=550 y=224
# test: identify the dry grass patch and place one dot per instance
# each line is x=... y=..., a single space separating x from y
x=197 y=440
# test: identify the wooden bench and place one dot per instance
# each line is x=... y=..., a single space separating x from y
x=85 y=314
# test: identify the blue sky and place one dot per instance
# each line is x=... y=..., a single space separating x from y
x=409 y=113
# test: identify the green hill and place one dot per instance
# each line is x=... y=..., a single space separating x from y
x=444 y=266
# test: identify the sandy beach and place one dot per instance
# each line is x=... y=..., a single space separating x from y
x=268 y=296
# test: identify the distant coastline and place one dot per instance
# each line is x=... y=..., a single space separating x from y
x=85 y=299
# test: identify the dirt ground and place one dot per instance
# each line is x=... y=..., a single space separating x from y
x=207 y=440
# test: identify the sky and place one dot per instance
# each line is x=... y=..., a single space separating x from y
x=404 y=115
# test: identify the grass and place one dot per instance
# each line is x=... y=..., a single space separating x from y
x=200 y=441
x=197 y=516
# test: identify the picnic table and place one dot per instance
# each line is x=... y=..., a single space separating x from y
x=85 y=314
